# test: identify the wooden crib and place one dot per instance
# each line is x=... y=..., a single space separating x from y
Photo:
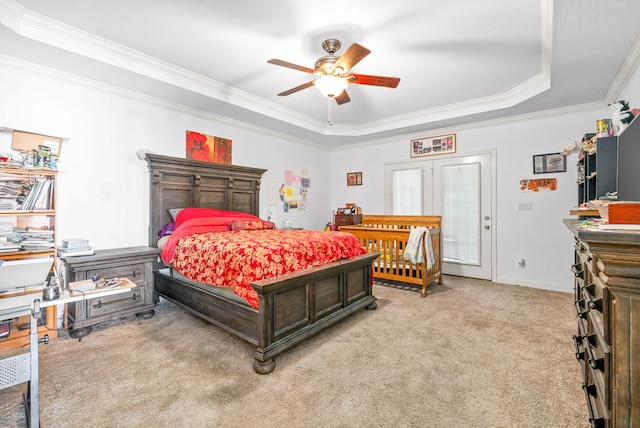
x=388 y=235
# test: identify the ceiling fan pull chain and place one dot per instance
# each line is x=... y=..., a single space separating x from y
x=329 y=111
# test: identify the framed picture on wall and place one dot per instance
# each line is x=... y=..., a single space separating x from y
x=550 y=162
x=354 y=179
x=440 y=145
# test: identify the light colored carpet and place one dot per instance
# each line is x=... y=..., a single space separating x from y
x=472 y=354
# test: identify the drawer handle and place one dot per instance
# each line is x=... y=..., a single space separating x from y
x=596 y=304
x=577 y=269
x=99 y=304
x=579 y=353
x=590 y=288
x=591 y=390
x=582 y=313
x=597 y=363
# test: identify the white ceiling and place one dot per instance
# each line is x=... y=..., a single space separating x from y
x=459 y=61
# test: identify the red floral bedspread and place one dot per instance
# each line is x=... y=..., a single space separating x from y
x=236 y=258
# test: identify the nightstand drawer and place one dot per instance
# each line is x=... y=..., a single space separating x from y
x=135 y=272
x=116 y=303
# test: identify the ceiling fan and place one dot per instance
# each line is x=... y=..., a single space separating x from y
x=334 y=72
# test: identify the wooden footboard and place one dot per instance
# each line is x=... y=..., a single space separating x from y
x=291 y=307
x=388 y=236
x=296 y=306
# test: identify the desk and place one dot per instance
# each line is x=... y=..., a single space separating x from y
x=24 y=367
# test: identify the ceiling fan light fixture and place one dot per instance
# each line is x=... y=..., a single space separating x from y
x=331 y=86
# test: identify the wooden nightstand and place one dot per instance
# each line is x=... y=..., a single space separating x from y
x=135 y=263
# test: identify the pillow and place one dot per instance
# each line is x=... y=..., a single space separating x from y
x=174 y=212
x=251 y=225
x=167 y=229
x=162 y=242
x=191 y=213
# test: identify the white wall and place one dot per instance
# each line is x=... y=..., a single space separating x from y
x=539 y=236
x=102 y=185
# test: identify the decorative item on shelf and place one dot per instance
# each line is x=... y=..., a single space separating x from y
x=621 y=116
x=43 y=158
x=604 y=128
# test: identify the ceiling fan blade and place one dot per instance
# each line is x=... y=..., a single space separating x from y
x=296 y=89
x=290 y=65
x=351 y=57
x=363 y=79
x=343 y=98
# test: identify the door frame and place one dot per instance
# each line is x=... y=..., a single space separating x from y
x=493 y=186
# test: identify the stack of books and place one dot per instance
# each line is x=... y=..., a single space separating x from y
x=10 y=193
x=40 y=196
x=36 y=239
x=75 y=247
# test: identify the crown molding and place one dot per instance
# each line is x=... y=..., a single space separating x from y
x=45 y=30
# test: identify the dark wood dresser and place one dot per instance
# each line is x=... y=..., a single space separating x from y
x=135 y=263
x=607 y=343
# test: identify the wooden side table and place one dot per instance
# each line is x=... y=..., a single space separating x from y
x=135 y=263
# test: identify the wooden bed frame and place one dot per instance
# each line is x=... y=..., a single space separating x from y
x=388 y=236
x=291 y=307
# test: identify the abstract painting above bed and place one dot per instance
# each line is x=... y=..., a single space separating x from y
x=233 y=249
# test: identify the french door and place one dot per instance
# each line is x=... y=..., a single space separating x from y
x=460 y=189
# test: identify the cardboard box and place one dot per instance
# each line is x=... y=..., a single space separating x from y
x=26 y=141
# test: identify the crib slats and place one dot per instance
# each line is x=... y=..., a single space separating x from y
x=388 y=235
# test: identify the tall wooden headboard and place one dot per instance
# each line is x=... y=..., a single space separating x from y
x=181 y=183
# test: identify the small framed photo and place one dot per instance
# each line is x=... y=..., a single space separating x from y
x=440 y=145
x=550 y=162
x=354 y=179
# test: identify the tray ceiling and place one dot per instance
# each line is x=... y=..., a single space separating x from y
x=459 y=61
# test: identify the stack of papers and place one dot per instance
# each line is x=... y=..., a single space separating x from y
x=75 y=247
x=88 y=286
x=613 y=226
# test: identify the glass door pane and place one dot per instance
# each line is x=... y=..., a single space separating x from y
x=407 y=192
x=461 y=213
